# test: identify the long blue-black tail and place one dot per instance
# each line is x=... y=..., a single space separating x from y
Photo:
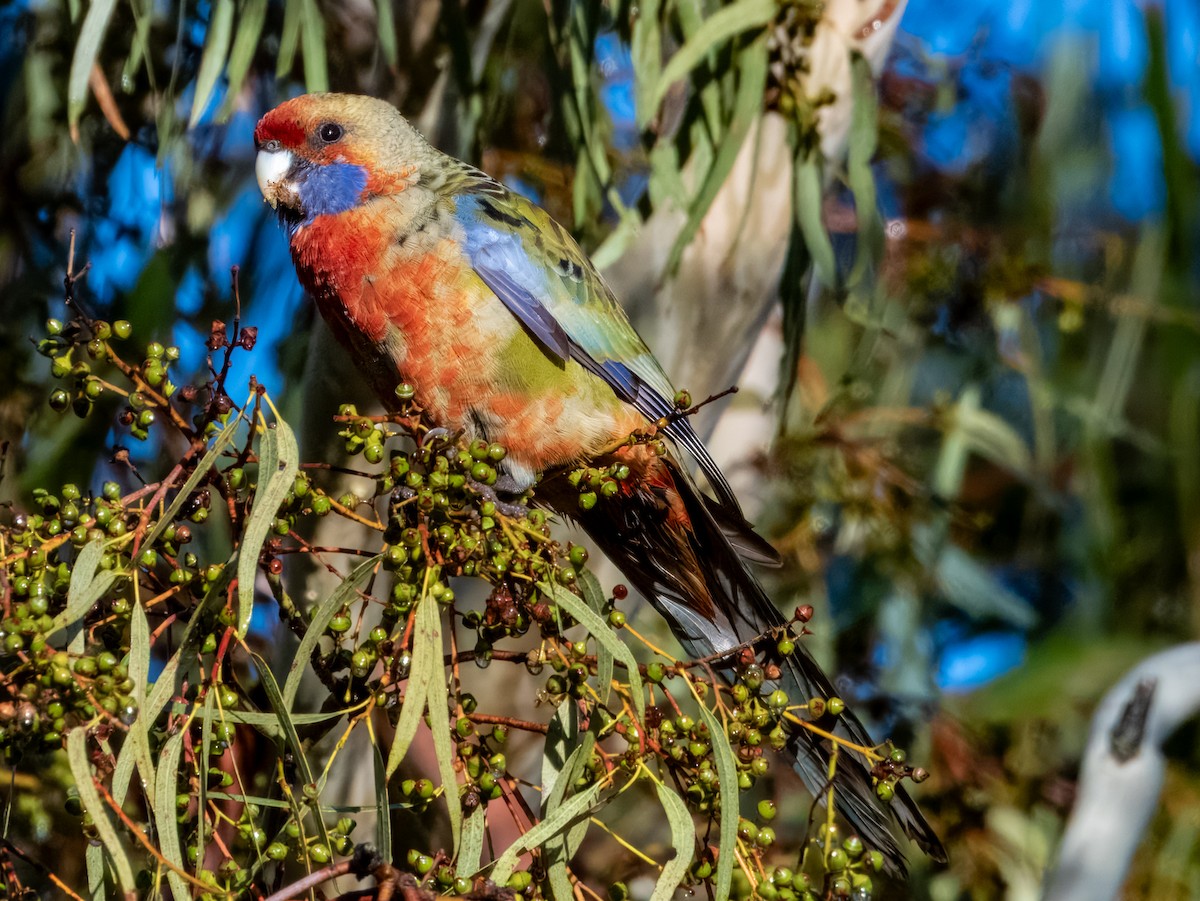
x=687 y=554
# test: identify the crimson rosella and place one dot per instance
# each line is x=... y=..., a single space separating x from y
x=429 y=272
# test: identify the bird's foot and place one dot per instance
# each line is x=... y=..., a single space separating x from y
x=435 y=434
x=487 y=492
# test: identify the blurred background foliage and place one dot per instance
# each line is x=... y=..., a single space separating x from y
x=985 y=472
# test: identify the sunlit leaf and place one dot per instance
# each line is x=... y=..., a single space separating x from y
x=312 y=41
x=81 y=770
x=752 y=81
x=727 y=777
x=570 y=812
x=165 y=812
x=683 y=836
x=278 y=463
x=720 y=27
x=603 y=633
x=428 y=630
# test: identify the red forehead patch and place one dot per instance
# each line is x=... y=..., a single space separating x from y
x=273 y=127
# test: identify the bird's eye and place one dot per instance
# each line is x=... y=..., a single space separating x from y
x=330 y=132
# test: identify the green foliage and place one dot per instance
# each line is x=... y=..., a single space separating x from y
x=96 y=587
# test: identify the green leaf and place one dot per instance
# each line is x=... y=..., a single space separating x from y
x=312 y=40
x=135 y=751
x=212 y=60
x=579 y=805
x=269 y=725
x=563 y=760
x=166 y=684
x=809 y=195
x=340 y=597
x=289 y=38
x=752 y=81
x=426 y=662
x=199 y=474
x=864 y=138
x=93 y=860
x=692 y=16
x=589 y=586
x=95 y=24
x=284 y=715
x=728 y=787
x=245 y=43
x=86 y=589
x=165 y=813
x=386 y=23
x=278 y=463
x=81 y=770
x=717 y=29
x=604 y=635
x=428 y=630
x=683 y=837
x=470 y=853
x=646 y=52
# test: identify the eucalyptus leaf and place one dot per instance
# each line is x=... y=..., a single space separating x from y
x=571 y=811
x=727 y=778
x=340 y=597
x=683 y=836
x=212 y=60
x=604 y=635
x=165 y=812
x=245 y=44
x=91 y=35
x=81 y=770
x=720 y=27
x=278 y=463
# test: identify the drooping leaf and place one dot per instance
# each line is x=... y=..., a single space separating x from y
x=81 y=770
x=312 y=41
x=425 y=665
x=589 y=586
x=721 y=26
x=340 y=597
x=212 y=60
x=752 y=81
x=245 y=44
x=95 y=24
x=165 y=812
x=278 y=463
x=727 y=778
x=577 y=806
x=683 y=836
x=604 y=635
x=86 y=588
x=429 y=630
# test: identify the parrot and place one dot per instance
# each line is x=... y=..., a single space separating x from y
x=431 y=273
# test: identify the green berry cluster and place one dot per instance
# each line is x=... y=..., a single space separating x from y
x=78 y=347
x=594 y=482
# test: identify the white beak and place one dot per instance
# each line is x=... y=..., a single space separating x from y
x=271 y=168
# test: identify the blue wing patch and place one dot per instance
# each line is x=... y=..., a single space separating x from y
x=501 y=261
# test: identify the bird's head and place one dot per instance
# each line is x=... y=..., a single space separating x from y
x=324 y=154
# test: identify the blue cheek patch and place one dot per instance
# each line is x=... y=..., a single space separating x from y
x=333 y=188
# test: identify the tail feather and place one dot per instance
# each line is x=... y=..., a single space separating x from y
x=686 y=554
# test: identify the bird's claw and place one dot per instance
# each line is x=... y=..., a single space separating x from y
x=487 y=492
x=434 y=435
